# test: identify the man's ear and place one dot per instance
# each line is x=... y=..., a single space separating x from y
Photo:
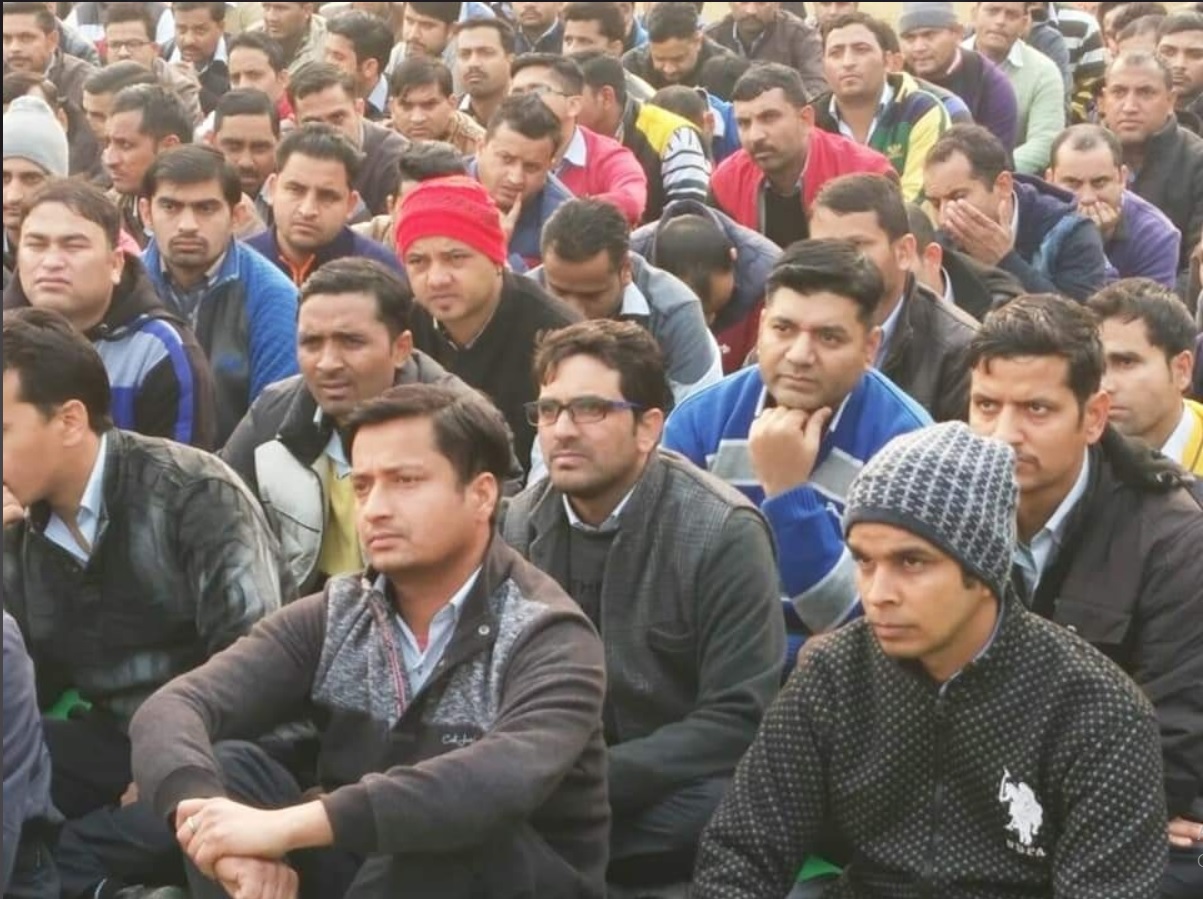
x=145 y=212
x=269 y=189
x=1182 y=370
x=170 y=142
x=1094 y=416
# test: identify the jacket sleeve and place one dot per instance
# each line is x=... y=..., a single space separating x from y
x=773 y=813
x=692 y=353
x=1113 y=839
x=806 y=50
x=1194 y=227
x=176 y=399
x=923 y=137
x=1046 y=119
x=24 y=751
x=1168 y=663
x=682 y=434
x=550 y=709
x=239 y=451
x=684 y=167
x=1000 y=109
x=741 y=642
x=626 y=184
x=260 y=682
x=185 y=85
x=272 y=309
x=816 y=569
x=1158 y=257
x=232 y=558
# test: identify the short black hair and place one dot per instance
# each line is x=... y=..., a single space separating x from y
x=528 y=115
x=720 y=74
x=694 y=248
x=469 y=431
x=672 y=21
x=85 y=200
x=423 y=160
x=683 y=101
x=257 y=40
x=506 y=35
x=22 y=84
x=760 y=79
x=56 y=364
x=320 y=141
x=1041 y=325
x=394 y=299
x=603 y=70
x=831 y=266
x=607 y=16
x=921 y=226
x=1141 y=59
x=881 y=30
x=195 y=164
x=118 y=13
x=1136 y=12
x=565 y=68
x=246 y=102
x=370 y=36
x=624 y=347
x=315 y=77
x=987 y=156
x=46 y=19
x=420 y=71
x=163 y=113
x=115 y=76
x=1143 y=27
x=448 y=13
x=1086 y=137
x=852 y=194
x=1178 y=22
x=217 y=11
x=1165 y=316
x=582 y=228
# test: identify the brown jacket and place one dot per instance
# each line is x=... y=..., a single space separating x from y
x=787 y=40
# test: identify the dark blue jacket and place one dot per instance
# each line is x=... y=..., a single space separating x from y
x=246 y=323
x=525 y=249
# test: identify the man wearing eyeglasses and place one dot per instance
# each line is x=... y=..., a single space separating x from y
x=129 y=35
x=675 y=569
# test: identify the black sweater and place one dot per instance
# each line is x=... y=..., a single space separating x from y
x=1035 y=772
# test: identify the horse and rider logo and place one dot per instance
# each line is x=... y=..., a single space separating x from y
x=1026 y=815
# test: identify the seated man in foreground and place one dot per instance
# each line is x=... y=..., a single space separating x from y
x=457 y=691
x=967 y=778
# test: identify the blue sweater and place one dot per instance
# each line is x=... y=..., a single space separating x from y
x=711 y=428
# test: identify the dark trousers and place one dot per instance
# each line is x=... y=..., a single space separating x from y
x=102 y=840
x=34 y=874
x=1184 y=875
x=518 y=864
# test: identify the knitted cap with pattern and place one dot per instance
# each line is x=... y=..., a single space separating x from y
x=952 y=488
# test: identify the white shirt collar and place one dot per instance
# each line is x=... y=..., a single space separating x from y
x=888 y=327
x=379 y=95
x=1175 y=447
x=949 y=296
x=887 y=97
x=91 y=510
x=221 y=54
x=634 y=302
x=577 y=153
x=457 y=599
x=610 y=524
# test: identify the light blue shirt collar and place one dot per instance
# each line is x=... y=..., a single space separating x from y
x=379 y=95
x=888 y=327
x=91 y=510
x=610 y=524
x=421 y=663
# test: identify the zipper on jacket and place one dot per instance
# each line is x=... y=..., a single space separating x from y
x=929 y=887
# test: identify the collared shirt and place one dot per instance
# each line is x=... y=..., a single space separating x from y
x=888 y=327
x=87 y=518
x=1033 y=558
x=421 y=659
x=221 y=54
x=763 y=404
x=577 y=153
x=887 y=97
x=1175 y=447
x=608 y=526
x=949 y=295
x=186 y=300
x=378 y=98
x=1013 y=60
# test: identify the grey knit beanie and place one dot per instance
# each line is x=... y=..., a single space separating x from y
x=926 y=15
x=950 y=487
x=32 y=132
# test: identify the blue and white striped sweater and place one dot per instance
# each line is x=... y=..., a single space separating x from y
x=711 y=428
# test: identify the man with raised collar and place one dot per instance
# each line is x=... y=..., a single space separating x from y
x=676 y=571
x=1109 y=531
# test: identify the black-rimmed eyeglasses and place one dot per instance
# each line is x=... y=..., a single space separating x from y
x=583 y=410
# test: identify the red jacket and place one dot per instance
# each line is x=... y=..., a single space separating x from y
x=611 y=172
x=737 y=181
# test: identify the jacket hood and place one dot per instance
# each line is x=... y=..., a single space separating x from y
x=134 y=297
x=1041 y=204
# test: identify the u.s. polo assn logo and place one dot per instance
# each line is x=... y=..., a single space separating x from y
x=1026 y=815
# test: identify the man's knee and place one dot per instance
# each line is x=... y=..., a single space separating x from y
x=252 y=776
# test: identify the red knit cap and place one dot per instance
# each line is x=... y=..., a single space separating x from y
x=456 y=207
